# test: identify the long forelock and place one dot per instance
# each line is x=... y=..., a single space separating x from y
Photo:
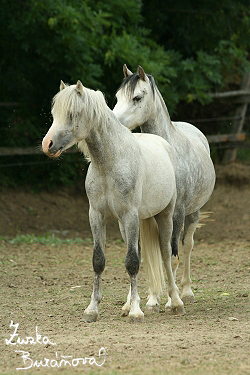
x=69 y=101
x=129 y=84
x=65 y=101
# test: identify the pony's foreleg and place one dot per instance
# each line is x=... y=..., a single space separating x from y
x=191 y=222
x=130 y=224
x=165 y=225
x=99 y=234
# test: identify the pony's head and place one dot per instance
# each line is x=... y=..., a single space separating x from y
x=135 y=98
x=74 y=109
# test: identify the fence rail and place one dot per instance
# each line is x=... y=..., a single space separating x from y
x=218 y=138
x=14 y=151
x=230 y=94
x=230 y=139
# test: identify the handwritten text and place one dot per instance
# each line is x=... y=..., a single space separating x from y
x=28 y=340
x=60 y=362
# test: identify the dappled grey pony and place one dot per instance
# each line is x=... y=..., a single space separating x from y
x=139 y=103
x=131 y=178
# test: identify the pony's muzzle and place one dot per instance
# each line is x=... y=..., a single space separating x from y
x=48 y=149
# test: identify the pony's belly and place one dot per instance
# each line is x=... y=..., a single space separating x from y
x=195 y=206
x=199 y=197
x=147 y=212
x=152 y=204
x=195 y=177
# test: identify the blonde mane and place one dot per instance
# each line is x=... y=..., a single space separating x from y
x=91 y=105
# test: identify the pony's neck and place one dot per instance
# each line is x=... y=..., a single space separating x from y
x=159 y=123
x=106 y=141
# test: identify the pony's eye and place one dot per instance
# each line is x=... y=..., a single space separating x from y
x=71 y=117
x=137 y=98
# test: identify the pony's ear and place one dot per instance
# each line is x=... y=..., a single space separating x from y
x=126 y=71
x=62 y=85
x=141 y=73
x=79 y=88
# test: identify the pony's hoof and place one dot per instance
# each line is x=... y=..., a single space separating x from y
x=153 y=309
x=136 y=318
x=90 y=316
x=125 y=309
x=124 y=313
x=178 y=310
x=168 y=309
x=187 y=299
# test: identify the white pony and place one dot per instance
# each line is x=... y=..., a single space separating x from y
x=131 y=178
x=139 y=103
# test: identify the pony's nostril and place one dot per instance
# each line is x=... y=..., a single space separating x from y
x=50 y=144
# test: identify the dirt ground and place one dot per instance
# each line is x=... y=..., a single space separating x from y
x=48 y=286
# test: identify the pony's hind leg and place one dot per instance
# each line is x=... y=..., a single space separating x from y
x=165 y=224
x=190 y=225
x=153 y=303
x=130 y=223
x=178 y=222
x=99 y=234
x=175 y=265
x=126 y=306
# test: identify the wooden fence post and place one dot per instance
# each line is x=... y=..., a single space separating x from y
x=237 y=126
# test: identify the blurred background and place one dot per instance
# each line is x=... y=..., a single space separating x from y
x=198 y=52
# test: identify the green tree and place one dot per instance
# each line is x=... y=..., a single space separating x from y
x=43 y=41
x=211 y=37
x=191 y=48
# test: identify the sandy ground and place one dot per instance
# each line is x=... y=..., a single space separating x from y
x=48 y=286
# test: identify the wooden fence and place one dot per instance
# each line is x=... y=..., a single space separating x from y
x=230 y=142
x=219 y=140
x=242 y=98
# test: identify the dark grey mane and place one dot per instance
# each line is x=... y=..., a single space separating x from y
x=129 y=83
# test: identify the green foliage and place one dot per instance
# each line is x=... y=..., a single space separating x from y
x=243 y=155
x=39 y=172
x=213 y=39
x=190 y=48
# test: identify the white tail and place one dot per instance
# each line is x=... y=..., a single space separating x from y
x=151 y=254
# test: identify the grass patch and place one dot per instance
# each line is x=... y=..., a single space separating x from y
x=50 y=240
